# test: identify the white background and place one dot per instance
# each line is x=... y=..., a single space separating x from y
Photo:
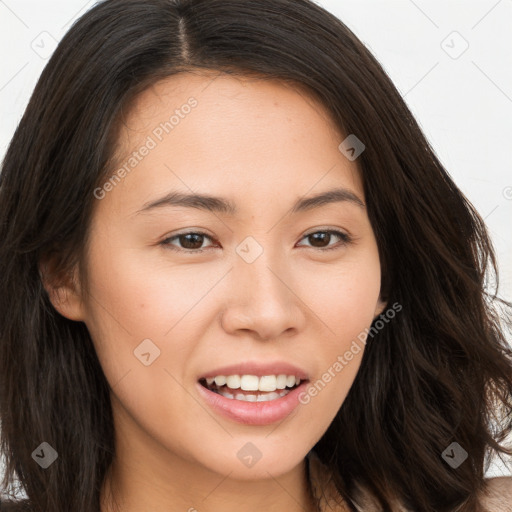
x=461 y=97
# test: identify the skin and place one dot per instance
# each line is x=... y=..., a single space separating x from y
x=263 y=145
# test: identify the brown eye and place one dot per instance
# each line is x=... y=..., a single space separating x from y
x=320 y=239
x=191 y=241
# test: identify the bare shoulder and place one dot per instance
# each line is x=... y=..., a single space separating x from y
x=497 y=494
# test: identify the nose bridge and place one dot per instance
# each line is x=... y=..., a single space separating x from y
x=261 y=294
x=258 y=265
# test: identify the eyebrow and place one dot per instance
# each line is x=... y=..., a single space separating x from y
x=222 y=205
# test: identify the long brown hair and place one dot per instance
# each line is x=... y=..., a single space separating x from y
x=440 y=372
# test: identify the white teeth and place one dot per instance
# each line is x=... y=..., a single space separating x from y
x=281 y=381
x=233 y=381
x=268 y=397
x=267 y=383
x=249 y=382
x=254 y=398
x=220 y=380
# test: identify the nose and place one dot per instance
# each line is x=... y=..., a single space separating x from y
x=264 y=299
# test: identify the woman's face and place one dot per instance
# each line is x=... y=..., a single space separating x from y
x=162 y=314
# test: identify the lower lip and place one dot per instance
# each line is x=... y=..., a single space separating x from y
x=253 y=413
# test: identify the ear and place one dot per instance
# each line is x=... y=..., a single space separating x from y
x=64 y=291
x=380 y=307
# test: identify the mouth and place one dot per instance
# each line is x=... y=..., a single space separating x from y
x=257 y=389
x=250 y=399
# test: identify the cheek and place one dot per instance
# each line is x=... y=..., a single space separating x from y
x=345 y=297
x=132 y=302
x=143 y=299
x=344 y=302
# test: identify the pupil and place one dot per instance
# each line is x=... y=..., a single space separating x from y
x=319 y=236
x=188 y=241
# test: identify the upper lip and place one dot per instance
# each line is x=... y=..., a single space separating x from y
x=259 y=369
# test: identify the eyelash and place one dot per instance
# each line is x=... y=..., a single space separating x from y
x=346 y=239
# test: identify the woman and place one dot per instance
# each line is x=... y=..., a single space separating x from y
x=236 y=276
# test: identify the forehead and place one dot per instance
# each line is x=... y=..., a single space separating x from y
x=208 y=130
x=223 y=95
x=212 y=86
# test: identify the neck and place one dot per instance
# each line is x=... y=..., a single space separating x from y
x=145 y=475
x=128 y=488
